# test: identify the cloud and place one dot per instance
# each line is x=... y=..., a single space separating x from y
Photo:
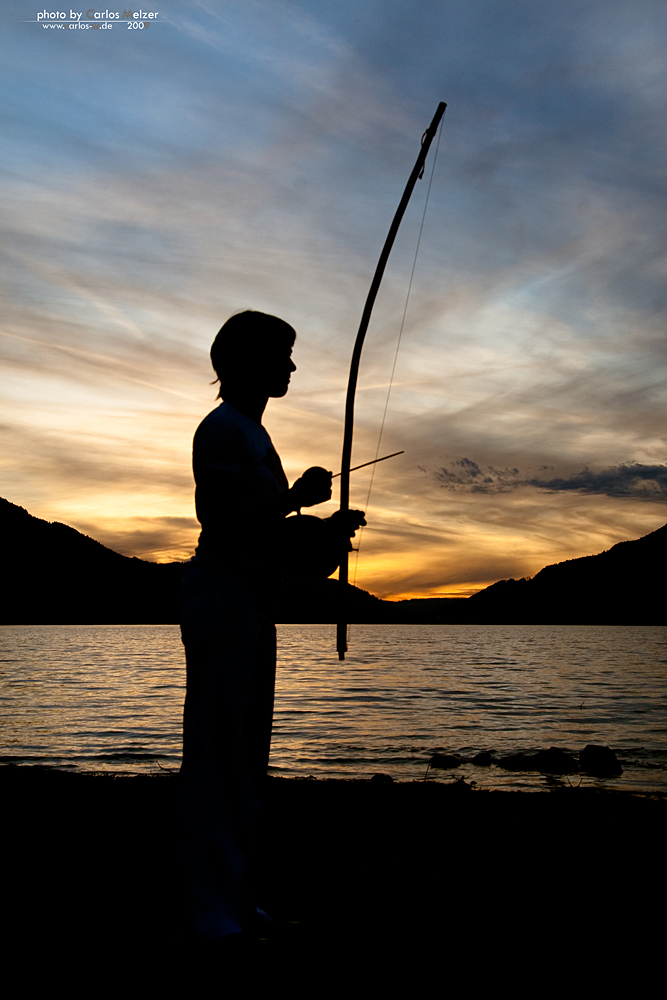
x=158 y=539
x=648 y=482
x=645 y=482
x=469 y=476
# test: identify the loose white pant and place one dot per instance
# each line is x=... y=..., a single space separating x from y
x=230 y=649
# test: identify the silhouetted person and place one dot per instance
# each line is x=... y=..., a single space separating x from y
x=242 y=499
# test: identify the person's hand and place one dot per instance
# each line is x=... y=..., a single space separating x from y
x=312 y=488
x=347 y=521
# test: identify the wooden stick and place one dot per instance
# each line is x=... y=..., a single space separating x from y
x=417 y=171
x=364 y=464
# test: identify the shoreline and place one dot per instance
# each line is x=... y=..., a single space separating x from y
x=553 y=783
x=595 y=767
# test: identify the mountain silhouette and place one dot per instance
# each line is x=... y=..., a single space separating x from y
x=623 y=585
x=54 y=575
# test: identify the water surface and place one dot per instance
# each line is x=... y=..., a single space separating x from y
x=109 y=697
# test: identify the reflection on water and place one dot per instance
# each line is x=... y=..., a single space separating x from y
x=110 y=698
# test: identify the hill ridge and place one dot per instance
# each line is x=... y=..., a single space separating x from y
x=54 y=574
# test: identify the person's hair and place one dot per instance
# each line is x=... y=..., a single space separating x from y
x=241 y=339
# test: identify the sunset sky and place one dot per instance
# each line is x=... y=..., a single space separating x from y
x=251 y=154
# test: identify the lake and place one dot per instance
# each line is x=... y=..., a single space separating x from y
x=109 y=698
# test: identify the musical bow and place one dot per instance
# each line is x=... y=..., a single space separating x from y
x=346 y=460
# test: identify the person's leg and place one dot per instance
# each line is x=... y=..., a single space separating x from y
x=225 y=639
x=259 y=719
x=257 y=745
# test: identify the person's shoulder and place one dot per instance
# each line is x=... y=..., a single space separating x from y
x=226 y=420
x=218 y=425
x=219 y=417
x=226 y=424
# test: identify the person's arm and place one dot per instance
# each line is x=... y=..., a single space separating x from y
x=220 y=505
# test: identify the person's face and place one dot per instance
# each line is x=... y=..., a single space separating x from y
x=276 y=371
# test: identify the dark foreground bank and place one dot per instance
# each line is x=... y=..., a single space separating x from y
x=370 y=879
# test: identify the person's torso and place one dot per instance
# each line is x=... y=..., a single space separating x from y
x=228 y=441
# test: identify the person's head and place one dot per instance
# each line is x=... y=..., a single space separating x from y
x=251 y=353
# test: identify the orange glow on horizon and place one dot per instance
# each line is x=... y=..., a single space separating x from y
x=452 y=592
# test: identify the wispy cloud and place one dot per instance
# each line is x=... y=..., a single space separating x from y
x=464 y=474
x=646 y=482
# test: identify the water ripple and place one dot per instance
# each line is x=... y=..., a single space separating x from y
x=110 y=698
